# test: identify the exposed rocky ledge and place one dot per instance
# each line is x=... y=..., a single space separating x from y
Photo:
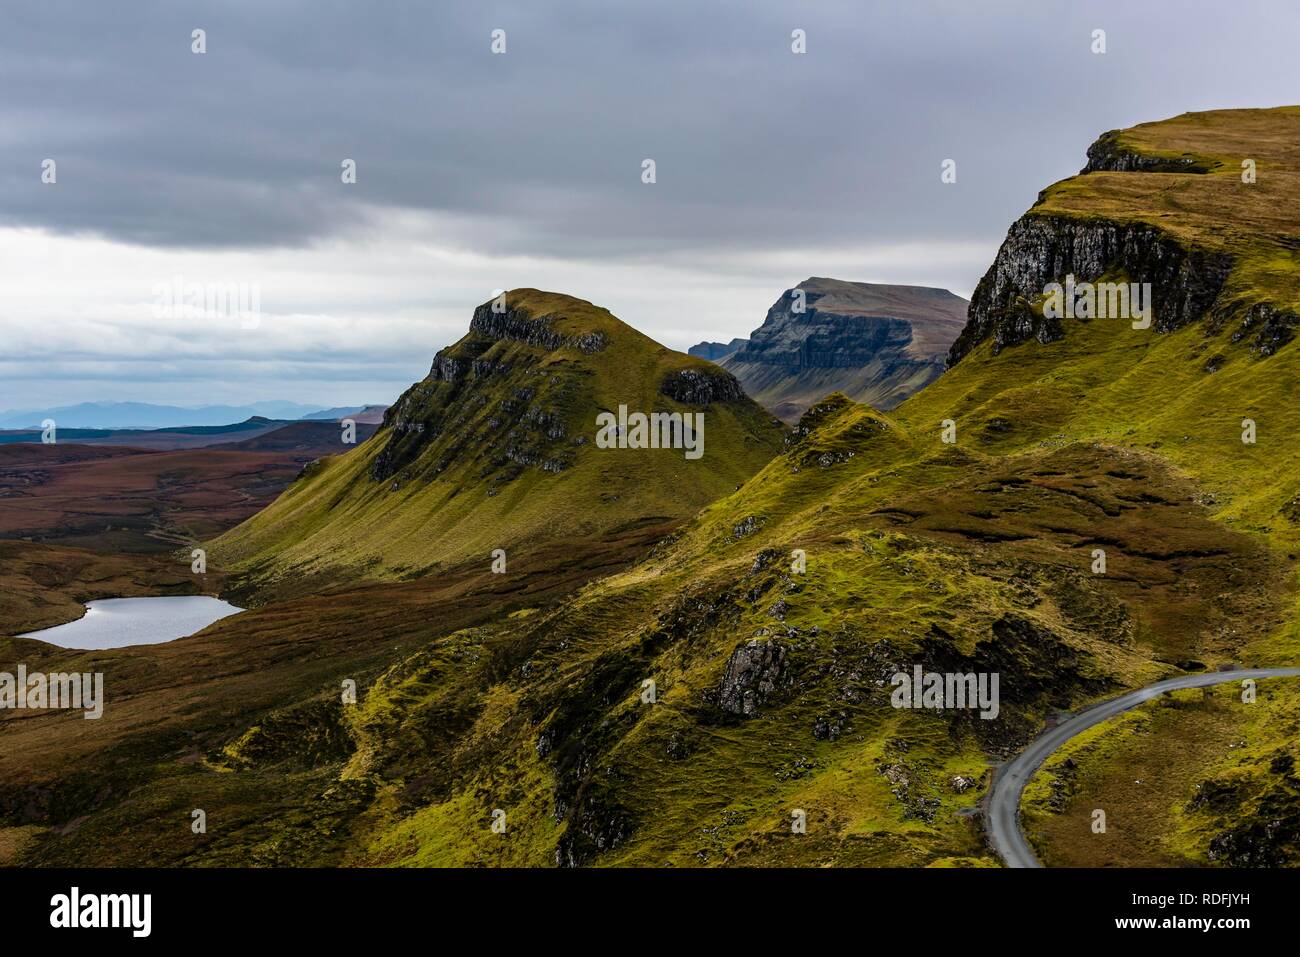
x=449 y=368
x=1270 y=327
x=755 y=671
x=1108 y=155
x=445 y=368
x=1043 y=249
x=698 y=387
x=519 y=326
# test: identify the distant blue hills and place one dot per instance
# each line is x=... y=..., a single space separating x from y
x=143 y=415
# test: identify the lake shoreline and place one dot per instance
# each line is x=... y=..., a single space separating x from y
x=108 y=623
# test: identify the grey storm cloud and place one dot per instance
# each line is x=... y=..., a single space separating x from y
x=539 y=150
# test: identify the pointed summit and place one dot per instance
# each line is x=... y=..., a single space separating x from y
x=497 y=448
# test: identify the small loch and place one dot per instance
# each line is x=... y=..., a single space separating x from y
x=120 y=622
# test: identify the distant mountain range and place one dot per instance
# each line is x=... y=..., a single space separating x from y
x=306 y=435
x=875 y=343
x=144 y=415
x=361 y=414
x=256 y=433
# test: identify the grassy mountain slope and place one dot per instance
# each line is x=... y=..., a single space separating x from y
x=1190 y=779
x=971 y=556
x=495 y=449
x=771 y=680
x=1226 y=349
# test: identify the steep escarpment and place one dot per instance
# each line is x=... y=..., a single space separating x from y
x=1111 y=153
x=495 y=448
x=1007 y=307
x=1196 y=208
x=1203 y=208
x=874 y=343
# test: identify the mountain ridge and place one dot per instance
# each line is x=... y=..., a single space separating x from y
x=496 y=443
x=973 y=555
x=135 y=415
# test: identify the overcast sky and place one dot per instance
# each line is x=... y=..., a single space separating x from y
x=478 y=171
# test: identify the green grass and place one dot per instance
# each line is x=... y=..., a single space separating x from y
x=460 y=496
x=1174 y=775
x=1256 y=223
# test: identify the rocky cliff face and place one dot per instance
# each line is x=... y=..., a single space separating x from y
x=875 y=343
x=517 y=325
x=1189 y=272
x=817 y=339
x=1041 y=249
x=489 y=390
x=1109 y=154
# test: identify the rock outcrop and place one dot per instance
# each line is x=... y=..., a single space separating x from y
x=1130 y=216
x=1110 y=154
x=701 y=387
x=518 y=325
x=754 y=672
x=1185 y=281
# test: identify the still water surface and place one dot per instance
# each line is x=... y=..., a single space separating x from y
x=118 y=622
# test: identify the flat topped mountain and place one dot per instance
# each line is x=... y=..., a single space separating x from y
x=875 y=343
x=713 y=351
x=496 y=448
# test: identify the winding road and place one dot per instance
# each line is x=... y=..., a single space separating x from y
x=1002 y=809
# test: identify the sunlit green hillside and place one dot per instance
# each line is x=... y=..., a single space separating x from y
x=495 y=449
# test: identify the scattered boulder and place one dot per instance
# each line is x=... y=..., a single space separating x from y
x=754 y=672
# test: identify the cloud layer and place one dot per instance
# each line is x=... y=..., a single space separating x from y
x=478 y=171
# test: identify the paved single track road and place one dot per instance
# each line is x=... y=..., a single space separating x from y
x=1002 y=809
